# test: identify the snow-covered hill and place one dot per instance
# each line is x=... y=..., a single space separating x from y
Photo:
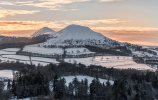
x=76 y=35
x=43 y=31
x=77 y=32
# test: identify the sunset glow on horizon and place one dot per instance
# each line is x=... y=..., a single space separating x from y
x=133 y=21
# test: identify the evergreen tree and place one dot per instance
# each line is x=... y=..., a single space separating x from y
x=75 y=84
x=1 y=87
x=8 y=85
x=59 y=87
x=70 y=89
x=95 y=86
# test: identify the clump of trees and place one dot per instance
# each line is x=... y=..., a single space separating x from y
x=48 y=82
x=29 y=84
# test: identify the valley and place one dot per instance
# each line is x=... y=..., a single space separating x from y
x=73 y=57
x=121 y=62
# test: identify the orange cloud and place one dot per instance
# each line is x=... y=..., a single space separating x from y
x=103 y=28
x=134 y=37
x=49 y=4
x=99 y=25
x=6 y=13
x=54 y=4
x=26 y=25
x=18 y=33
x=33 y=25
x=96 y=22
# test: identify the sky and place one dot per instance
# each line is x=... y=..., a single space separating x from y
x=133 y=21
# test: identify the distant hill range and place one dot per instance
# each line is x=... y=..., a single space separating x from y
x=76 y=35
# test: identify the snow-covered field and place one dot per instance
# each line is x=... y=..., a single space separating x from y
x=6 y=74
x=85 y=61
x=55 y=51
x=77 y=51
x=42 y=50
x=26 y=59
x=82 y=77
x=9 y=55
x=9 y=51
x=120 y=62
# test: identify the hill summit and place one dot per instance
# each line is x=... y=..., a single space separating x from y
x=43 y=31
x=77 y=35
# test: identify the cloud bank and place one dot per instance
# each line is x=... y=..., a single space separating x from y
x=7 y=13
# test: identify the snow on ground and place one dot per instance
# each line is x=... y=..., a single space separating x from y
x=156 y=51
x=11 y=49
x=6 y=74
x=28 y=98
x=7 y=51
x=120 y=62
x=22 y=99
x=9 y=55
x=82 y=77
x=86 y=61
x=42 y=50
x=142 y=54
x=77 y=51
x=54 y=51
x=49 y=60
x=26 y=59
x=18 y=57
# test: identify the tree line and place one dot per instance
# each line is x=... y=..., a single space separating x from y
x=48 y=83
